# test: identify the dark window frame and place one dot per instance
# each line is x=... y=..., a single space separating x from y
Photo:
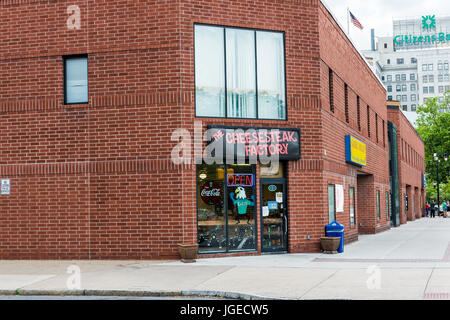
x=358 y=112
x=352 y=222
x=331 y=89
x=224 y=27
x=346 y=103
x=68 y=57
x=225 y=194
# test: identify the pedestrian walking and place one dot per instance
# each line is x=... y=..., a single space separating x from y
x=427 y=209
x=432 y=209
x=444 y=208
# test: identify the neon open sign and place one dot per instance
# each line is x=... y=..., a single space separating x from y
x=240 y=180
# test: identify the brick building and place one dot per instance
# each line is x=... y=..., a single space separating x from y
x=92 y=94
x=410 y=155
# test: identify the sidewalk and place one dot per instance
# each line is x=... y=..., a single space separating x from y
x=409 y=262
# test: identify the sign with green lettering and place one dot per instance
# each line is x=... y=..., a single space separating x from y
x=428 y=25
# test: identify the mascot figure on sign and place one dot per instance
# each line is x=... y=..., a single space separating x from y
x=241 y=202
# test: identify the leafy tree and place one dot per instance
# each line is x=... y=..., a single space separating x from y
x=433 y=125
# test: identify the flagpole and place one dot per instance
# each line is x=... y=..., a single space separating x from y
x=348 y=21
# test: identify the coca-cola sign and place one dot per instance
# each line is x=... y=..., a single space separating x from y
x=211 y=193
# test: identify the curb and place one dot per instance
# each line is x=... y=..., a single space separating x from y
x=131 y=293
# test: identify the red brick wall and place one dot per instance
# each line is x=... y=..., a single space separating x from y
x=337 y=53
x=96 y=180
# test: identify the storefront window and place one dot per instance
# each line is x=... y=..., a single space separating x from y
x=352 y=205
x=241 y=208
x=211 y=208
x=378 y=205
x=272 y=171
x=230 y=189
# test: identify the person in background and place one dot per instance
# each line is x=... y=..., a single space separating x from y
x=432 y=209
x=448 y=207
x=444 y=209
x=427 y=209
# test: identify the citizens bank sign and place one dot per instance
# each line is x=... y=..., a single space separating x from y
x=428 y=25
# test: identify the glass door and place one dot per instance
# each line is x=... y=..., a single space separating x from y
x=273 y=215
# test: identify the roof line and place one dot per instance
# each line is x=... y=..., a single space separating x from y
x=351 y=42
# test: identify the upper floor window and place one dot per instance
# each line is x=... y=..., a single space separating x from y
x=413 y=60
x=403 y=77
x=400 y=61
x=388 y=61
x=412 y=76
x=397 y=77
x=424 y=67
x=430 y=67
x=389 y=78
x=239 y=73
x=76 y=79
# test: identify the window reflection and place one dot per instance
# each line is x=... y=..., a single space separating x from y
x=241 y=208
x=210 y=210
x=231 y=188
x=209 y=71
x=270 y=57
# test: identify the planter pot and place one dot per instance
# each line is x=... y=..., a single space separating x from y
x=188 y=252
x=330 y=244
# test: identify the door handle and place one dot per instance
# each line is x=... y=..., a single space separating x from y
x=285 y=223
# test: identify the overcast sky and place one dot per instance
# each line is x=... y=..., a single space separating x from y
x=378 y=14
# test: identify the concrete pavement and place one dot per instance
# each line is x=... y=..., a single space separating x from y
x=409 y=262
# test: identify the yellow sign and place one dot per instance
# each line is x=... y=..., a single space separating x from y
x=355 y=151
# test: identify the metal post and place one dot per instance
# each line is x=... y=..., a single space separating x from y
x=437 y=184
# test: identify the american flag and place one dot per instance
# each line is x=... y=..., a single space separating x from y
x=355 y=21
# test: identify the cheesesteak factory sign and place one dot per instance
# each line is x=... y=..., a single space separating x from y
x=254 y=143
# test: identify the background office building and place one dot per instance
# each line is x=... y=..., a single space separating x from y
x=413 y=64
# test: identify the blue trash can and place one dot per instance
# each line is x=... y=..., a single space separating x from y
x=335 y=229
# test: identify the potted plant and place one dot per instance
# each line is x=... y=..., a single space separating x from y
x=330 y=244
x=188 y=252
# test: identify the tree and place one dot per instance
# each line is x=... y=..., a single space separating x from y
x=433 y=125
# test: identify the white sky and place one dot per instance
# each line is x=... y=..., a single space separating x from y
x=378 y=14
